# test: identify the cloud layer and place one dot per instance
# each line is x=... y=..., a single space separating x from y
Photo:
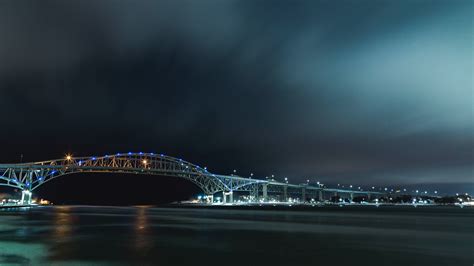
x=372 y=91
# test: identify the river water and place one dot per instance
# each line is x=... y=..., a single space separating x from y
x=85 y=235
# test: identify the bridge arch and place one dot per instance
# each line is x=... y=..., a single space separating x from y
x=30 y=176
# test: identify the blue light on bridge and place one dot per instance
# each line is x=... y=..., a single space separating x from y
x=80 y=163
x=93 y=158
x=151 y=153
x=140 y=153
x=129 y=153
x=118 y=154
x=53 y=172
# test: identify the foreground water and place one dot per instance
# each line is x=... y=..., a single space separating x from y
x=82 y=235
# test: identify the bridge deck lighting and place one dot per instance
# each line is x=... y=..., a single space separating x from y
x=68 y=157
x=144 y=162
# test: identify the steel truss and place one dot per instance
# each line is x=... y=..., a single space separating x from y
x=30 y=176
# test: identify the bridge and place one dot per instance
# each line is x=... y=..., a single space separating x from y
x=29 y=176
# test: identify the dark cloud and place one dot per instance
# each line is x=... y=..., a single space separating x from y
x=371 y=91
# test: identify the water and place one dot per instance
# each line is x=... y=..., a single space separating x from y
x=82 y=235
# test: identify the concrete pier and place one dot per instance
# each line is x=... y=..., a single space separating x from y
x=265 y=192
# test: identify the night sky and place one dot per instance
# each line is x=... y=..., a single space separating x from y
x=350 y=92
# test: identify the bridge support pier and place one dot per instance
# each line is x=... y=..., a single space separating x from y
x=351 y=196
x=368 y=197
x=285 y=193
x=25 y=197
x=320 y=195
x=224 y=197
x=303 y=194
x=210 y=199
x=265 y=192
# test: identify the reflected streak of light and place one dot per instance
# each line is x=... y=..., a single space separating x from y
x=142 y=240
x=62 y=223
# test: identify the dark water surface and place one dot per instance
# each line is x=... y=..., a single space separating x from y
x=82 y=235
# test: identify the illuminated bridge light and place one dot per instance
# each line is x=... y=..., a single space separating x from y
x=140 y=153
x=118 y=154
x=93 y=158
x=129 y=153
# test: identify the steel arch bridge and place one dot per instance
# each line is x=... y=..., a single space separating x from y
x=29 y=176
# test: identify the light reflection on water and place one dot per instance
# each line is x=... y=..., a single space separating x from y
x=142 y=239
x=62 y=223
x=142 y=235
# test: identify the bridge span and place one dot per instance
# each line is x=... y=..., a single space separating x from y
x=29 y=176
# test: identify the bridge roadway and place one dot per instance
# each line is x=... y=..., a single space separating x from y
x=29 y=176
